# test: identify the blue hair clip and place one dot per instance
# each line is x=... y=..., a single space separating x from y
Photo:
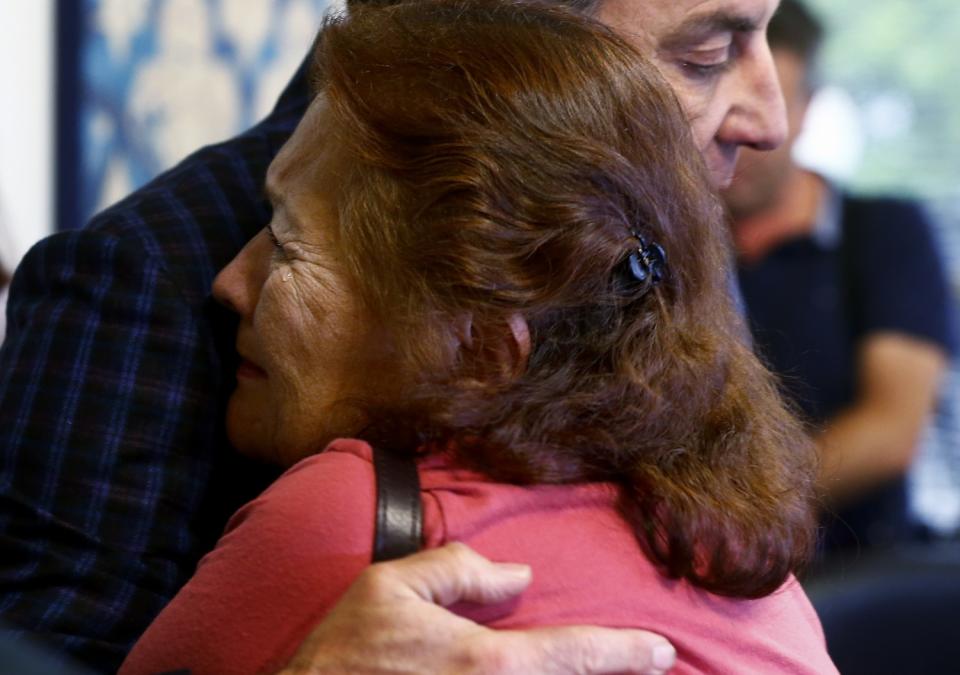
x=647 y=261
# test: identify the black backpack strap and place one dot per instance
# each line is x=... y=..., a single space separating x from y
x=399 y=514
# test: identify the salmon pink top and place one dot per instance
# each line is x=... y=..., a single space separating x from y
x=287 y=556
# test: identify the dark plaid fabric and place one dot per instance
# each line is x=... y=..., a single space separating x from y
x=115 y=474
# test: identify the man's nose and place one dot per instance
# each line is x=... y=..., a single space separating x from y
x=760 y=118
x=238 y=285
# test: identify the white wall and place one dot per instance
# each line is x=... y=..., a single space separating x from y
x=26 y=125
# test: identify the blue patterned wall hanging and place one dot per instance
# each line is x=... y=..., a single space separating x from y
x=142 y=83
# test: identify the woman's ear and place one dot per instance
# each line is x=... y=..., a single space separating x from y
x=500 y=351
x=518 y=344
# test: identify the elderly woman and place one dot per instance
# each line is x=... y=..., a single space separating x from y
x=494 y=249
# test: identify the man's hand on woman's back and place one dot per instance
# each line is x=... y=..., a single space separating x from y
x=393 y=620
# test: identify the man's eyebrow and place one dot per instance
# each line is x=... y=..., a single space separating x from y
x=701 y=27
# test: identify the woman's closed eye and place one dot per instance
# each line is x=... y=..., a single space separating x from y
x=277 y=246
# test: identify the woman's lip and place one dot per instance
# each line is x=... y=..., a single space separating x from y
x=249 y=369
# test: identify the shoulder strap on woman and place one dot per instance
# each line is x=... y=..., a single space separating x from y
x=399 y=515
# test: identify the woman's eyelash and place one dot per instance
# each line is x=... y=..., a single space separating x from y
x=273 y=237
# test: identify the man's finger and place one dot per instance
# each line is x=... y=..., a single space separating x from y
x=596 y=651
x=449 y=574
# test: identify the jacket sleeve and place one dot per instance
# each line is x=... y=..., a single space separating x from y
x=104 y=376
x=115 y=472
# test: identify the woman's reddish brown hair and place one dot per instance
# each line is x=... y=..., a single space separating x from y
x=500 y=155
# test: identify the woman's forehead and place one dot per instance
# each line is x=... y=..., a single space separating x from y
x=308 y=145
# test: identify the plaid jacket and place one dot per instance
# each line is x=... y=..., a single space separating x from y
x=115 y=472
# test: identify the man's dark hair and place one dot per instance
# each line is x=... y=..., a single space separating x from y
x=797 y=29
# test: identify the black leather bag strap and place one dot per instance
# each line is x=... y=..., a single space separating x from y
x=399 y=515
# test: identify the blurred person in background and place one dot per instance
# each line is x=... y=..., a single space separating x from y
x=848 y=301
x=116 y=474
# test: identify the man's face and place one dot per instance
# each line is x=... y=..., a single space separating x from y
x=715 y=55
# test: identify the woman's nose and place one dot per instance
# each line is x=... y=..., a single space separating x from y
x=238 y=285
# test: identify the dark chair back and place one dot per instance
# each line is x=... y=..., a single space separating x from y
x=896 y=613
